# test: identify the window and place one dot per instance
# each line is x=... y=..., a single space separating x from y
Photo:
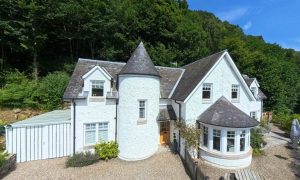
x=97 y=88
x=216 y=139
x=235 y=92
x=253 y=115
x=95 y=132
x=242 y=140
x=205 y=136
x=142 y=109
x=230 y=141
x=253 y=90
x=206 y=91
x=90 y=133
x=103 y=132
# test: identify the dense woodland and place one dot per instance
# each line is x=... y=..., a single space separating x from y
x=41 y=41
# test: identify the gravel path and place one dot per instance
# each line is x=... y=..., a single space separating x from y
x=164 y=165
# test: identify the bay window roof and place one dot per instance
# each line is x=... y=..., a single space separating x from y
x=223 y=113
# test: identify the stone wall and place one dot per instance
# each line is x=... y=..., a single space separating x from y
x=9 y=166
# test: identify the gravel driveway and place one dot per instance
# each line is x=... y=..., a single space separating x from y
x=164 y=165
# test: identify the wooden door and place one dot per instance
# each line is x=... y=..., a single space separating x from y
x=165 y=133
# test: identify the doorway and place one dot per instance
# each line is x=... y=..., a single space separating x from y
x=165 y=133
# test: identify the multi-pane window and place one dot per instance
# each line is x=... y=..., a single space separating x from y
x=230 y=141
x=142 y=109
x=253 y=115
x=95 y=132
x=90 y=133
x=97 y=88
x=217 y=140
x=205 y=136
x=103 y=132
x=207 y=91
x=235 y=91
x=242 y=140
x=253 y=90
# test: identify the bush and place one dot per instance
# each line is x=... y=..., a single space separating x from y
x=3 y=158
x=107 y=150
x=256 y=141
x=82 y=159
x=50 y=91
x=285 y=120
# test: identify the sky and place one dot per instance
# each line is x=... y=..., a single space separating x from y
x=278 y=21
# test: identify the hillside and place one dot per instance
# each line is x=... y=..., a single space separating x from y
x=39 y=37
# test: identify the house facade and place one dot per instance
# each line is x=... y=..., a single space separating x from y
x=137 y=103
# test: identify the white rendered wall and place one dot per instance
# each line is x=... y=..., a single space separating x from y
x=138 y=141
x=222 y=78
x=93 y=110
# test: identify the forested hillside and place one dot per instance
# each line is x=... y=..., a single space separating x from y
x=38 y=37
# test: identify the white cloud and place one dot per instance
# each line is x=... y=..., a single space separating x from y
x=247 y=26
x=233 y=14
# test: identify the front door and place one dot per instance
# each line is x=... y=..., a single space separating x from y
x=165 y=133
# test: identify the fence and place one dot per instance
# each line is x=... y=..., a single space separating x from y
x=192 y=167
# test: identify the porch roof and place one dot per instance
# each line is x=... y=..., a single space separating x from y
x=166 y=113
x=223 y=113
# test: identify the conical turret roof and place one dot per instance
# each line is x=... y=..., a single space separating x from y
x=140 y=63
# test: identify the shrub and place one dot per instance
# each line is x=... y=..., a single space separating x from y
x=82 y=159
x=3 y=158
x=285 y=120
x=50 y=90
x=107 y=150
x=256 y=141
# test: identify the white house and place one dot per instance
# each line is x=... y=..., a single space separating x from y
x=137 y=103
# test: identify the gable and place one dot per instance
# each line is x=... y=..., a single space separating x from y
x=99 y=69
x=233 y=71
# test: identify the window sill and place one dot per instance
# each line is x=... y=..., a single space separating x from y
x=141 y=121
x=207 y=101
x=97 y=99
x=235 y=100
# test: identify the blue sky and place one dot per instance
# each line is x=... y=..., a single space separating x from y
x=278 y=21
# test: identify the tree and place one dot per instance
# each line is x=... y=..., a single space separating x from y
x=190 y=134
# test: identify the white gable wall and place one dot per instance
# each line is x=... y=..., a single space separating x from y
x=94 y=110
x=222 y=77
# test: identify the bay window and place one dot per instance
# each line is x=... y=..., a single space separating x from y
x=205 y=136
x=230 y=141
x=217 y=140
x=242 y=140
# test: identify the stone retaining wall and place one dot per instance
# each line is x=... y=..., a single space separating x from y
x=8 y=166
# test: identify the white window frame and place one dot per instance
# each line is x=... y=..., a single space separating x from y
x=242 y=136
x=145 y=109
x=235 y=88
x=217 y=133
x=204 y=131
x=97 y=129
x=207 y=87
x=231 y=135
x=91 y=88
x=254 y=91
x=255 y=114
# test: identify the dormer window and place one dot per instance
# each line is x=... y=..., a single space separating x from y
x=253 y=90
x=207 y=91
x=97 y=88
x=235 y=92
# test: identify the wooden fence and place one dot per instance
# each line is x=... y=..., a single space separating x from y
x=192 y=167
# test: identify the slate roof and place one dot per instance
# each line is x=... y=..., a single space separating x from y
x=169 y=76
x=140 y=63
x=249 y=81
x=194 y=73
x=223 y=113
x=166 y=113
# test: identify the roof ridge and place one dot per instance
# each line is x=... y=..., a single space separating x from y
x=96 y=60
x=205 y=57
x=167 y=67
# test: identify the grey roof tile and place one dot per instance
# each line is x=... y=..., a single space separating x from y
x=194 y=73
x=223 y=113
x=140 y=63
x=169 y=76
x=167 y=113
